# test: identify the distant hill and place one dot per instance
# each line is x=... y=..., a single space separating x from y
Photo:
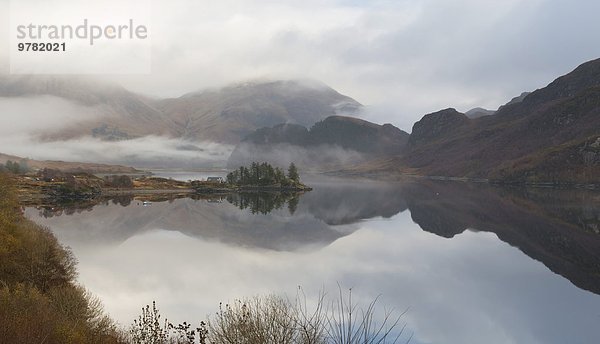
x=224 y=115
x=550 y=135
x=436 y=126
x=68 y=166
x=121 y=114
x=229 y=114
x=479 y=112
x=516 y=99
x=333 y=141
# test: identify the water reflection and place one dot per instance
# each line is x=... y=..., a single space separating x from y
x=442 y=258
x=557 y=227
x=264 y=202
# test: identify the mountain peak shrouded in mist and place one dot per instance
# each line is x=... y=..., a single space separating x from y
x=70 y=117
x=222 y=115
x=79 y=89
x=116 y=110
x=268 y=85
x=230 y=113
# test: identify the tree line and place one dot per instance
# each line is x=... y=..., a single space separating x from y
x=15 y=167
x=264 y=174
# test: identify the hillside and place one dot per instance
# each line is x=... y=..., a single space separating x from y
x=40 y=298
x=229 y=114
x=223 y=115
x=68 y=166
x=549 y=136
x=120 y=114
x=334 y=141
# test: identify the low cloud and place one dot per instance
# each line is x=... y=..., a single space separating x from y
x=35 y=115
x=320 y=157
x=23 y=121
x=145 y=152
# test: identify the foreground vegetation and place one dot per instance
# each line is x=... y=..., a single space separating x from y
x=40 y=301
x=274 y=319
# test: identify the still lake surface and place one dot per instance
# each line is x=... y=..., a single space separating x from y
x=472 y=263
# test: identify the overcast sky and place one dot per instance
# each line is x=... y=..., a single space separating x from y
x=403 y=58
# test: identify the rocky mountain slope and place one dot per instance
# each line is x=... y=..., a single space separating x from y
x=550 y=136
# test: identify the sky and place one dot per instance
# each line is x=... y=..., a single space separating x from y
x=402 y=58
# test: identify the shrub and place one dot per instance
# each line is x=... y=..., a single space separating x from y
x=39 y=300
x=274 y=319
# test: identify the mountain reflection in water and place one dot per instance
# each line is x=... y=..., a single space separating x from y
x=559 y=228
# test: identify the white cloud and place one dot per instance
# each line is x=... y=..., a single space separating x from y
x=410 y=57
x=23 y=120
x=144 y=152
x=35 y=115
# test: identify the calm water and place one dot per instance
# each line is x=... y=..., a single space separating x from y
x=475 y=264
x=189 y=175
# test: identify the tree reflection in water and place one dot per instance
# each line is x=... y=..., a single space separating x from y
x=264 y=202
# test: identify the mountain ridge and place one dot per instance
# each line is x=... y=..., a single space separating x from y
x=550 y=136
x=336 y=140
x=224 y=115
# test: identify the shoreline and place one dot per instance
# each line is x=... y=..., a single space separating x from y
x=496 y=182
x=36 y=192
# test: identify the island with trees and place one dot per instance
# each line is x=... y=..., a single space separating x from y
x=49 y=186
x=263 y=176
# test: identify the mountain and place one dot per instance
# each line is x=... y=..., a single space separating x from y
x=229 y=114
x=334 y=141
x=436 y=126
x=479 y=112
x=346 y=132
x=551 y=135
x=225 y=115
x=119 y=113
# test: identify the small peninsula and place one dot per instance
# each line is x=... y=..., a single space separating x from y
x=62 y=186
